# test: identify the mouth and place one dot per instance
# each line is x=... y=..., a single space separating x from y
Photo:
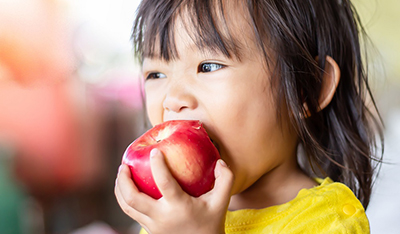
x=216 y=145
x=211 y=136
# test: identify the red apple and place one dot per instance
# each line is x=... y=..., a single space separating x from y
x=189 y=154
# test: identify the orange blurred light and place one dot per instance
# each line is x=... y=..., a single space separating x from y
x=35 y=41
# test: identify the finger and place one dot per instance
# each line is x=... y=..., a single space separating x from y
x=131 y=212
x=130 y=193
x=163 y=178
x=221 y=193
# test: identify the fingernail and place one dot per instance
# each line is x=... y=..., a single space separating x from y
x=153 y=152
x=223 y=163
x=119 y=169
x=218 y=169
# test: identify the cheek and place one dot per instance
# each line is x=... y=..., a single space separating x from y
x=245 y=111
x=154 y=108
x=244 y=123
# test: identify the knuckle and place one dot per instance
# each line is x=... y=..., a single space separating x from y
x=129 y=211
x=126 y=210
x=131 y=201
x=163 y=183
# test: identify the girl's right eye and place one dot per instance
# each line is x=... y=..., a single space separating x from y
x=155 y=75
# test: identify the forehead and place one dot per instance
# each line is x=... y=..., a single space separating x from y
x=213 y=27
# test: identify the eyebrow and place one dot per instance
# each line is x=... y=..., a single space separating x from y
x=205 y=51
x=209 y=51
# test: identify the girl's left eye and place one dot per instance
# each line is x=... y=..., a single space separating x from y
x=209 y=67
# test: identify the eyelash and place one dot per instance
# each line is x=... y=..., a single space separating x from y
x=203 y=68
x=155 y=75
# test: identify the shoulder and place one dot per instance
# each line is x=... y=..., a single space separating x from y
x=328 y=208
x=329 y=194
x=331 y=206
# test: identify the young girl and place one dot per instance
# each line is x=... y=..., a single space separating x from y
x=264 y=77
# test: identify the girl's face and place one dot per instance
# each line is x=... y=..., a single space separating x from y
x=231 y=97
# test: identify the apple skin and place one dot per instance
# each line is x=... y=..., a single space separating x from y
x=189 y=154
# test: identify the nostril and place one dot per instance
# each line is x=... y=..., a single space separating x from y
x=175 y=106
x=178 y=104
x=183 y=107
x=179 y=96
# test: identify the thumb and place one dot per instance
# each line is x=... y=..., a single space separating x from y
x=223 y=184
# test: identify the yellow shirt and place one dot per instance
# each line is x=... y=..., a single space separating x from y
x=327 y=208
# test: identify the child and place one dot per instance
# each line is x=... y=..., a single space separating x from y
x=264 y=77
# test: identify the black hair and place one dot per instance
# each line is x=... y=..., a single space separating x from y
x=340 y=141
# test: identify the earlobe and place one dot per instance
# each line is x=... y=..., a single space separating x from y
x=330 y=81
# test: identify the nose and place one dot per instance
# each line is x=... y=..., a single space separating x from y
x=179 y=98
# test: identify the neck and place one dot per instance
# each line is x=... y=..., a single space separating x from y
x=278 y=186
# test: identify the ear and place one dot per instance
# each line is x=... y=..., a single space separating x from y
x=330 y=81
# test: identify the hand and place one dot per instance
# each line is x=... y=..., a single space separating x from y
x=176 y=211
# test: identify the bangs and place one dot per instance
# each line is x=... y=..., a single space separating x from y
x=204 y=20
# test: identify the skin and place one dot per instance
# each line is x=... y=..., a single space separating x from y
x=234 y=100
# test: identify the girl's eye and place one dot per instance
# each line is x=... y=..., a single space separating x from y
x=209 y=67
x=155 y=75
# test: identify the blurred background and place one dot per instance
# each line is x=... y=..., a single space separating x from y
x=71 y=102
